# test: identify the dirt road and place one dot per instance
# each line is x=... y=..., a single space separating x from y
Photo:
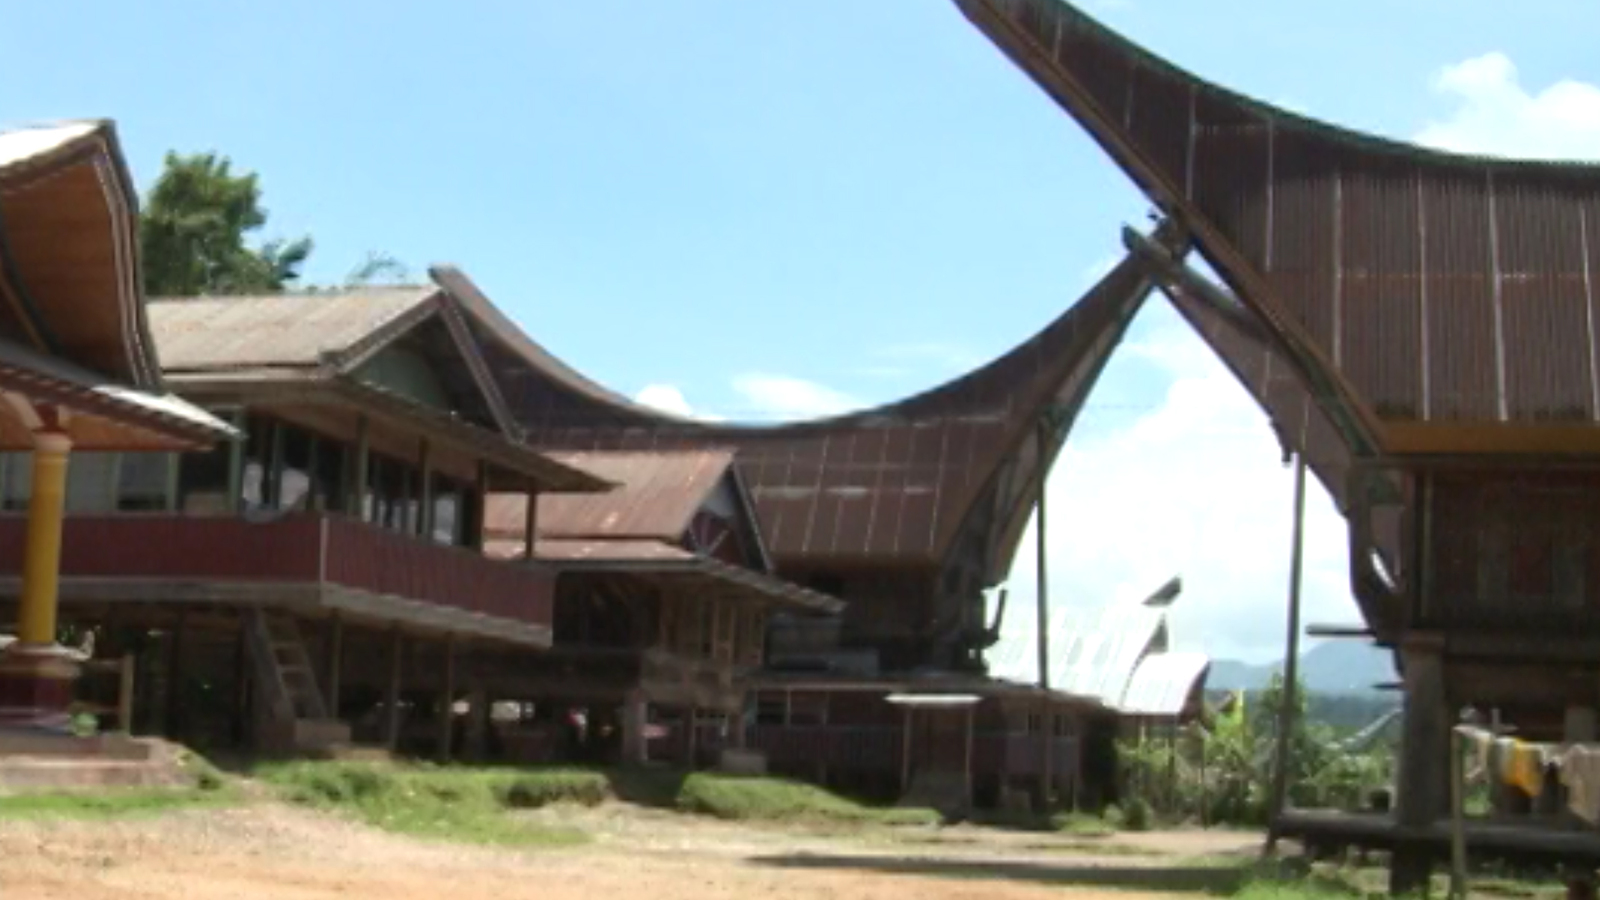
x=271 y=851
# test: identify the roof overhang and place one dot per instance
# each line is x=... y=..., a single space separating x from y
x=512 y=466
x=100 y=415
x=669 y=565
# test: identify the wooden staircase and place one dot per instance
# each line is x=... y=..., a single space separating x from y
x=294 y=717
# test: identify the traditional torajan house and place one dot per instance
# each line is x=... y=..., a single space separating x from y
x=324 y=573
x=662 y=599
x=78 y=377
x=1420 y=326
x=908 y=512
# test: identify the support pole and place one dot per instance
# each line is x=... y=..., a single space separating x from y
x=36 y=675
x=1046 y=731
x=1291 y=660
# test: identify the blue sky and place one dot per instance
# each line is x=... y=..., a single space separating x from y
x=747 y=202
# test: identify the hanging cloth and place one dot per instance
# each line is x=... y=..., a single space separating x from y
x=1527 y=768
x=1580 y=772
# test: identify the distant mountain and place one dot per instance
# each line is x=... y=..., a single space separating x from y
x=1329 y=667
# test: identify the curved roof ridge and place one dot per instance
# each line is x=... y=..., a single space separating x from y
x=1015 y=11
x=923 y=404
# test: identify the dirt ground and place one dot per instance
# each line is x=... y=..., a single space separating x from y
x=267 y=850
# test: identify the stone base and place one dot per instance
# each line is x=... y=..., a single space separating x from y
x=36 y=684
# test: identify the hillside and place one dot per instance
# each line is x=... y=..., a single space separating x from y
x=1328 y=667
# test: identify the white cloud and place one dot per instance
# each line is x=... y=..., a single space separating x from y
x=784 y=397
x=1495 y=114
x=664 y=397
x=668 y=398
x=1195 y=487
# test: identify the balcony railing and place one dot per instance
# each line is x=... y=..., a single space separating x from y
x=297 y=550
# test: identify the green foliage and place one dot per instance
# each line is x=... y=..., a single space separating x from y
x=194 y=231
x=1222 y=773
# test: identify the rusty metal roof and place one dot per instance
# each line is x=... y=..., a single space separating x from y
x=665 y=563
x=657 y=495
x=199 y=334
x=1431 y=287
x=894 y=483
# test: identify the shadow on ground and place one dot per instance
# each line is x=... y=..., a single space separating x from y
x=1191 y=879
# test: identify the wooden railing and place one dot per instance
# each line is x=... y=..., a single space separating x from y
x=368 y=558
x=297 y=549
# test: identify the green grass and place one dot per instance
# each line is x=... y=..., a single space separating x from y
x=112 y=802
x=745 y=798
x=473 y=804
x=469 y=805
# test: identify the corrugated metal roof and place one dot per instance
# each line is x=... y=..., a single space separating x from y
x=1435 y=287
x=1095 y=655
x=655 y=559
x=57 y=380
x=656 y=497
x=894 y=482
x=1164 y=682
x=199 y=334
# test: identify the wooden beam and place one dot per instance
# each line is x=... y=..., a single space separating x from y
x=391 y=701
x=1325 y=630
x=530 y=524
x=447 y=697
x=1490 y=438
x=335 y=664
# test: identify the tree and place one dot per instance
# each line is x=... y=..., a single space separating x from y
x=378 y=268
x=194 y=230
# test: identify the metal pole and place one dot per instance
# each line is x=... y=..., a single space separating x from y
x=1047 y=721
x=1458 y=838
x=1291 y=660
x=1043 y=588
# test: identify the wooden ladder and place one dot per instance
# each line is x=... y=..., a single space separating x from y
x=283 y=667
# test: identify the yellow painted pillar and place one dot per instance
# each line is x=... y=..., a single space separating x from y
x=41 y=565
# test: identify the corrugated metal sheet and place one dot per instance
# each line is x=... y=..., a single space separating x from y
x=1097 y=656
x=1438 y=287
x=656 y=497
x=21 y=146
x=663 y=562
x=891 y=483
x=281 y=330
x=1163 y=683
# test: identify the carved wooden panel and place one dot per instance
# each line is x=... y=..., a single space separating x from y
x=1515 y=549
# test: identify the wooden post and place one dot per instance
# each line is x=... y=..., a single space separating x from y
x=425 y=498
x=693 y=739
x=530 y=525
x=391 y=703
x=477 y=722
x=1458 y=838
x=358 y=472
x=972 y=715
x=447 y=701
x=1291 y=660
x=905 y=751
x=235 y=500
x=125 y=692
x=335 y=664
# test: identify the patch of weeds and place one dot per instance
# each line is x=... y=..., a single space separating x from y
x=469 y=805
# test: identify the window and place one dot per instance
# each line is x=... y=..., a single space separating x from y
x=447 y=511
x=328 y=475
x=142 y=481
x=296 y=449
x=16 y=480
x=91 y=482
x=203 y=480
